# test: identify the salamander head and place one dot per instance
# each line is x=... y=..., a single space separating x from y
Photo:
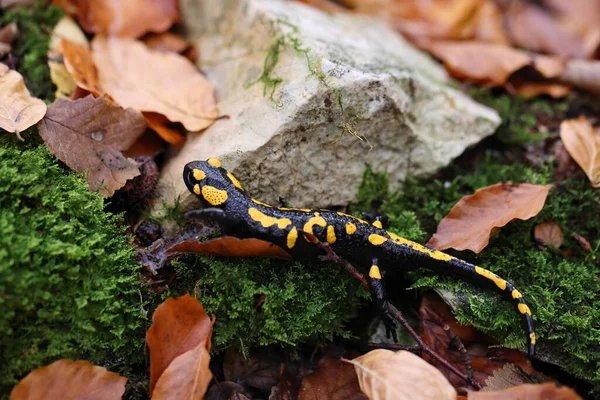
x=212 y=184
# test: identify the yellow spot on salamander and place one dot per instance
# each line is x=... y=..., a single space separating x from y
x=268 y=221
x=374 y=272
x=213 y=195
x=376 y=239
x=295 y=209
x=234 y=180
x=197 y=189
x=516 y=294
x=378 y=224
x=532 y=338
x=331 y=235
x=316 y=220
x=436 y=255
x=501 y=283
x=350 y=228
x=524 y=309
x=198 y=174
x=261 y=203
x=291 y=238
x=214 y=162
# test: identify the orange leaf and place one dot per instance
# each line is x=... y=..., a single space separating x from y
x=126 y=18
x=548 y=233
x=159 y=124
x=229 y=246
x=88 y=135
x=167 y=42
x=533 y=89
x=544 y=391
x=149 y=144
x=176 y=90
x=187 y=376
x=70 y=380
x=80 y=65
x=332 y=379
x=583 y=144
x=179 y=325
x=474 y=218
x=18 y=109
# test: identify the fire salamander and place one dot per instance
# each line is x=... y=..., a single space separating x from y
x=367 y=246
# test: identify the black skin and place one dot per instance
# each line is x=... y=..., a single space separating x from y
x=365 y=246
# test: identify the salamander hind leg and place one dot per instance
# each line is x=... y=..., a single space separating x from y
x=379 y=298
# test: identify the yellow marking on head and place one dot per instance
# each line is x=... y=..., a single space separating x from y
x=516 y=294
x=350 y=228
x=214 y=162
x=501 y=283
x=376 y=239
x=261 y=203
x=234 y=180
x=378 y=224
x=214 y=196
x=291 y=237
x=316 y=220
x=198 y=174
x=374 y=272
x=532 y=338
x=524 y=309
x=331 y=235
x=197 y=189
x=268 y=221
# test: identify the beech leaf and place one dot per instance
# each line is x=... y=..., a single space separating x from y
x=78 y=61
x=187 y=376
x=333 y=380
x=126 y=18
x=179 y=326
x=384 y=374
x=129 y=73
x=544 y=391
x=548 y=233
x=160 y=124
x=229 y=246
x=70 y=380
x=470 y=223
x=583 y=144
x=89 y=134
x=18 y=109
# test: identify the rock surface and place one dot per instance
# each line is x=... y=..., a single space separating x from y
x=313 y=98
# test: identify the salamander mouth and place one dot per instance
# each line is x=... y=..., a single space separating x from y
x=188 y=175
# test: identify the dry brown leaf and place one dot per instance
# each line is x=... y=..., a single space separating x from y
x=7 y=34
x=533 y=89
x=470 y=223
x=179 y=325
x=229 y=246
x=170 y=42
x=67 y=29
x=333 y=380
x=583 y=144
x=544 y=391
x=126 y=18
x=88 y=135
x=548 y=233
x=583 y=74
x=80 y=65
x=149 y=144
x=187 y=376
x=18 y=109
x=383 y=374
x=160 y=124
x=176 y=90
x=489 y=24
x=70 y=380
x=16 y=3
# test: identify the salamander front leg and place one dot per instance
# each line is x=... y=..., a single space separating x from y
x=380 y=300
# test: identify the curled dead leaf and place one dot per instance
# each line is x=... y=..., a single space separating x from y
x=70 y=380
x=544 y=391
x=583 y=144
x=176 y=90
x=470 y=223
x=383 y=374
x=548 y=233
x=18 y=109
x=160 y=124
x=78 y=61
x=126 y=18
x=179 y=326
x=229 y=246
x=88 y=135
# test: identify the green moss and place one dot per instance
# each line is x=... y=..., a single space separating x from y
x=69 y=287
x=31 y=47
x=564 y=292
x=259 y=302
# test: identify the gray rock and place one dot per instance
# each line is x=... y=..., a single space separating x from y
x=313 y=98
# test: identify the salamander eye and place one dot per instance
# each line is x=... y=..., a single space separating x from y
x=214 y=162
